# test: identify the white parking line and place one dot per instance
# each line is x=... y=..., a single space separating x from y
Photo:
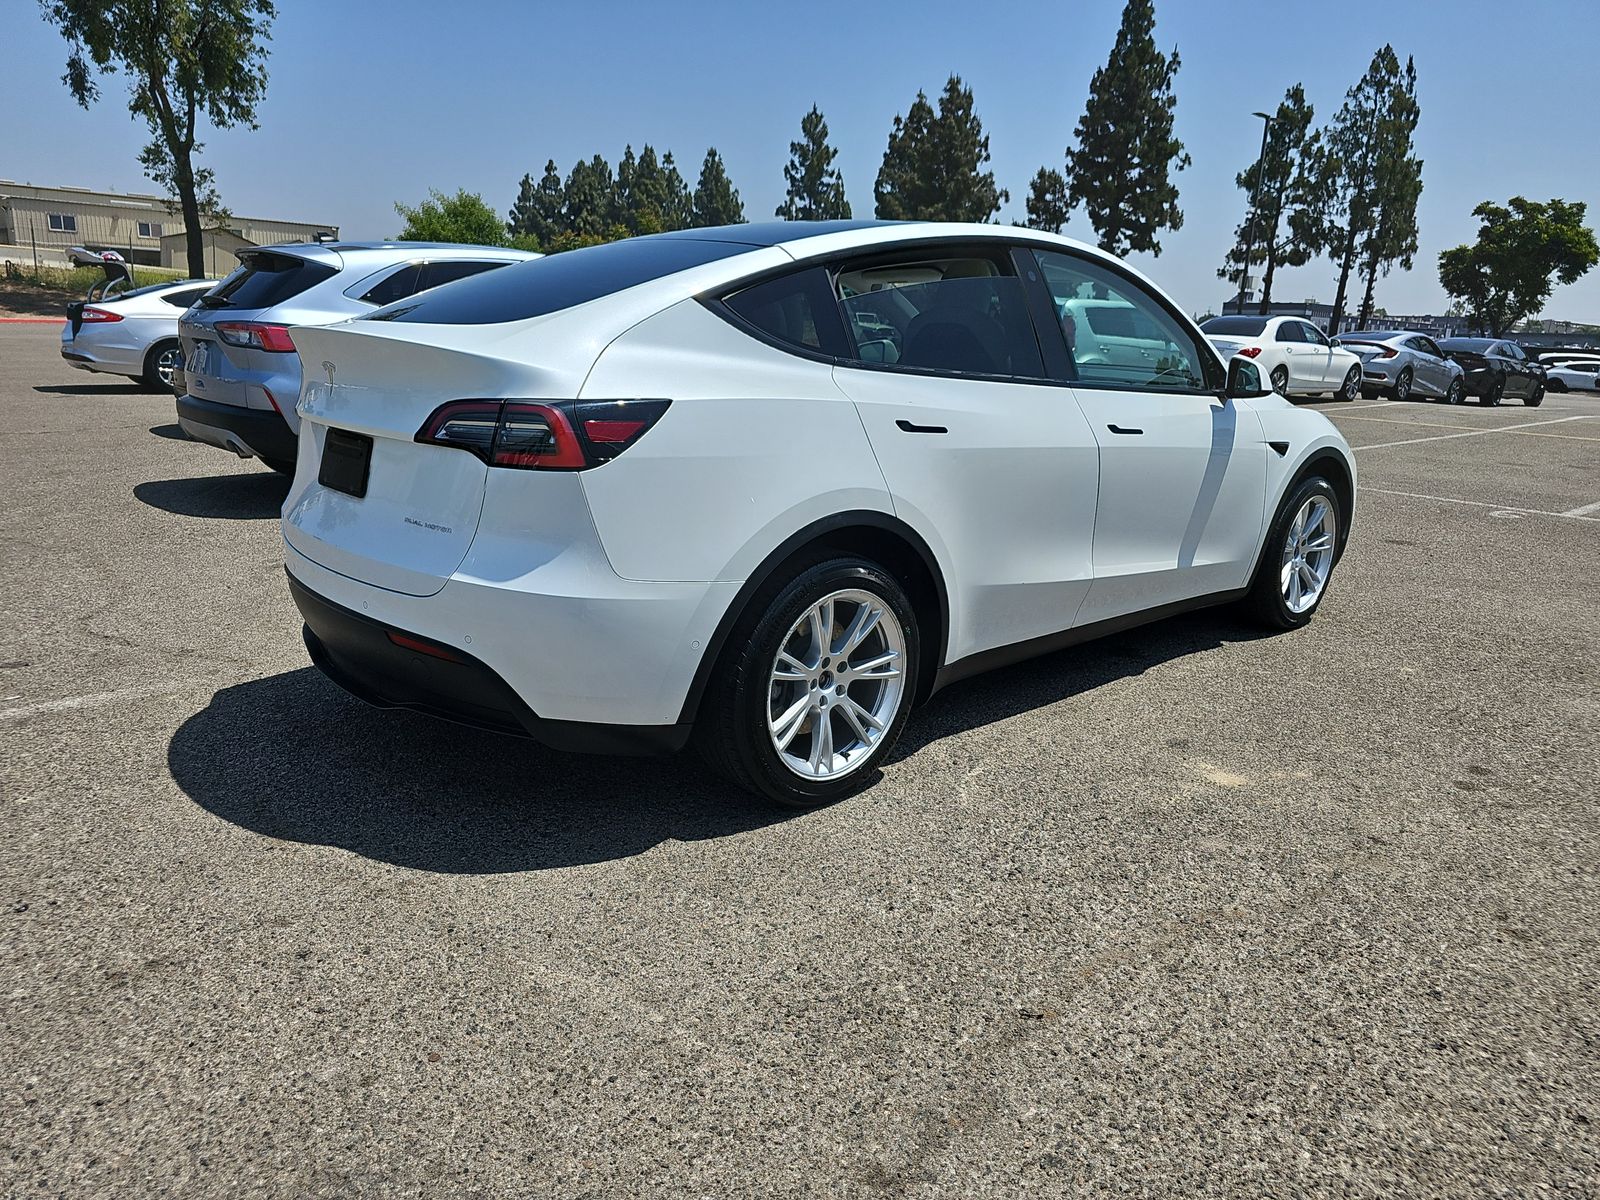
x=1575 y=514
x=93 y=700
x=1442 y=437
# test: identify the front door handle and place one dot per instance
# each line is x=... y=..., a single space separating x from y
x=1120 y=429
x=908 y=427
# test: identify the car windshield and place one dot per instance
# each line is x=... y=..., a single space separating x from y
x=1249 y=326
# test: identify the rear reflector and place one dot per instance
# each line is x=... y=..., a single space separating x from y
x=406 y=642
x=561 y=435
x=256 y=336
x=92 y=315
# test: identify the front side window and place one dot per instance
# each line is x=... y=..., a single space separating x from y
x=1117 y=333
x=1312 y=334
x=63 y=223
x=965 y=314
x=796 y=309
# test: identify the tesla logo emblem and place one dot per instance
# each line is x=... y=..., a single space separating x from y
x=328 y=367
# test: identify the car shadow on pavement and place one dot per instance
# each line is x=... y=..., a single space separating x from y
x=1039 y=682
x=127 y=387
x=248 y=496
x=172 y=430
x=292 y=757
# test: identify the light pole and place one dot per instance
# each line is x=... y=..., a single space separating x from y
x=1251 y=217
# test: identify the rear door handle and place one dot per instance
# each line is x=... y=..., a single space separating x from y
x=1120 y=429
x=908 y=427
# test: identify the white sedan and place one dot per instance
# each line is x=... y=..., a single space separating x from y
x=766 y=487
x=1294 y=355
x=131 y=333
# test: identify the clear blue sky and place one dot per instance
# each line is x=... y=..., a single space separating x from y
x=373 y=102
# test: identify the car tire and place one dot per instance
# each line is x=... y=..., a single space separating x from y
x=765 y=700
x=1558 y=385
x=1273 y=599
x=159 y=362
x=1280 y=381
x=280 y=466
x=1402 y=386
x=1455 y=392
x=1352 y=386
x=1537 y=398
x=1368 y=394
x=1497 y=391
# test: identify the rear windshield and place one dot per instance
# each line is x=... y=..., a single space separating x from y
x=263 y=280
x=1245 y=325
x=548 y=285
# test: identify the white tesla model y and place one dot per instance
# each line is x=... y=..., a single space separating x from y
x=766 y=487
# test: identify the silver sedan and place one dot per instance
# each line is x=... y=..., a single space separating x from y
x=131 y=333
x=1400 y=364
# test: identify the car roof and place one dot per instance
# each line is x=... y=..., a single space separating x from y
x=355 y=254
x=1469 y=341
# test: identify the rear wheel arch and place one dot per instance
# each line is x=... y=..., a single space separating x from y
x=877 y=536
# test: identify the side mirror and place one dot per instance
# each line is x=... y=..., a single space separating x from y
x=1244 y=379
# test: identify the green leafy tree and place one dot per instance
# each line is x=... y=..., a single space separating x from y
x=716 y=201
x=1284 y=224
x=589 y=200
x=651 y=193
x=933 y=167
x=816 y=189
x=1047 y=201
x=464 y=217
x=185 y=59
x=1369 y=197
x=535 y=218
x=1522 y=251
x=1121 y=171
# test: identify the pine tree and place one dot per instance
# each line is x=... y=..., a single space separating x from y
x=536 y=217
x=589 y=199
x=816 y=189
x=1047 y=201
x=1375 y=122
x=933 y=167
x=677 y=205
x=1121 y=169
x=1393 y=238
x=716 y=200
x=1284 y=226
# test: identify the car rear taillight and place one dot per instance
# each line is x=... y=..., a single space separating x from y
x=1250 y=351
x=1388 y=352
x=256 y=336
x=561 y=435
x=92 y=315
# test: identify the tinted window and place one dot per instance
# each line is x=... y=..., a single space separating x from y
x=396 y=286
x=263 y=280
x=1249 y=326
x=1290 y=331
x=1160 y=355
x=1429 y=347
x=959 y=314
x=797 y=310
x=186 y=297
x=547 y=285
x=437 y=274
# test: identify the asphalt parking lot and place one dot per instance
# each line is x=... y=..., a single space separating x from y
x=1186 y=912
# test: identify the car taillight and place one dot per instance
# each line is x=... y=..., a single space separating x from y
x=92 y=315
x=1388 y=352
x=256 y=336
x=1250 y=351
x=560 y=435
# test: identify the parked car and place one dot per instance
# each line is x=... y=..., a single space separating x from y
x=1293 y=354
x=764 y=487
x=240 y=377
x=1573 y=374
x=1401 y=364
x=1495 y=369
x=133 y=333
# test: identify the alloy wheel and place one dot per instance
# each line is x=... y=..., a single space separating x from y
x=1352 y=384
x=1453 y=396
x=167 y=363
x=1402 y=386
x=1280 y=381
x=1308 y=554
x=836 y=684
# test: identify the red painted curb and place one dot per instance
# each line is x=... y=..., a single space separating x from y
x=33 y=320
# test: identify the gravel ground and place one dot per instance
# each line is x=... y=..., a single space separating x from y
x=1188 y=912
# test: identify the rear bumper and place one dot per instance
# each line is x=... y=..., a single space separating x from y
x=248 y=432
x=360 y=655
x=88 y=362
x=1479 y=381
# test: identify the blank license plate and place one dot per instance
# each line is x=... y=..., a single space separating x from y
x=346 y=459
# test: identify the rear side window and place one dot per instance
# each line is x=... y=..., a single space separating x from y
x=959 y=314
x=1290 y=331
x=263 y=280
x=184 y=298
x=547 y=285
x=397 y=286
x=797 y=310
x=437 y=274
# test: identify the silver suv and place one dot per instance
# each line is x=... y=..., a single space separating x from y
x=240 y=378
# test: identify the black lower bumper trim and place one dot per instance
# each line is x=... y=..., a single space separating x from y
x=267 y=433
x=357 y=654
